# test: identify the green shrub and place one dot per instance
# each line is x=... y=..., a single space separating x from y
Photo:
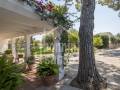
x=47 y=68
x=47 y=51
x=20 y=55
x=10 y=77
x=97 y=42
x=42 y=50
x=113 y=40
x=105 y=39
x=31 y=60
x=8 y=51
x=21 y=50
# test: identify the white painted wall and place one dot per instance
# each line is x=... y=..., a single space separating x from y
x=3 y=45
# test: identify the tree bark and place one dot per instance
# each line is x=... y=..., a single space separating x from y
x=88 y=77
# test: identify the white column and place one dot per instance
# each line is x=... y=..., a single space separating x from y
x=58 y=54
x=27 y=46
x=14 y=51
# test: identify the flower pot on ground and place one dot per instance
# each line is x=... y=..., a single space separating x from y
x=48 y=71
x=30 y=62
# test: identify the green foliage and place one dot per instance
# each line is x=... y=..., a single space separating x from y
x=118 y=37
x=48 y=40
x=113 y=40
x=47 y=68
x=73 y=36
x=114 y=4
x=35 y=43
x=10 y=77
x=20 y=55
x=21 y=50
x=60 y=19
x=31 y=60
x=59 y=10
x=57 y=13
x=8 y=51
x=78 y=6
x=42 y=50
x=105 y=39
x=64 y=37
x=20 y=44
x=97 y=42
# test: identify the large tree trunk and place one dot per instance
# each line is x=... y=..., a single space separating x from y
x=88 y=77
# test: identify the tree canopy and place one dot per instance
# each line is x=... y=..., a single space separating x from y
x=114 y=4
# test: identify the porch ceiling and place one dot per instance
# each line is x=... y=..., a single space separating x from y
x=18 y=21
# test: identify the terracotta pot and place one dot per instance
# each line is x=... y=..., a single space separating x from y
x=49 y=80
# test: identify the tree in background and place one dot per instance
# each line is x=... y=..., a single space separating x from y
x=73 y=40
x=105 y=37
x=20 y=44
x=68 y=37
x=35 y=43
x=114 y=4
x=73 y=37
x=118 y=37
x=48 y=40
x=113 y=40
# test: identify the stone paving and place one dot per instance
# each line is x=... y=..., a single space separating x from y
x=108 y=64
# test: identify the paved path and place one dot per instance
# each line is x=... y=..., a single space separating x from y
x=108 y=64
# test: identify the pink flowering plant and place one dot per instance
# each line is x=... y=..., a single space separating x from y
x=55 y=14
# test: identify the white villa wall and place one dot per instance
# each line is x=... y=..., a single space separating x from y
x=3 y=45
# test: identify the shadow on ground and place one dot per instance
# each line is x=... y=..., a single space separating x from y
x=111 y=53
x=110 y=72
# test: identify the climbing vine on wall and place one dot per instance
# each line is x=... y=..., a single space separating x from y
x=55 y=14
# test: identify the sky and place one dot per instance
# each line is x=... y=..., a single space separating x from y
x=106 y=19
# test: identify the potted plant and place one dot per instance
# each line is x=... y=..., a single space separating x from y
x=30 y=62
x=20 y=55
x=48 y=71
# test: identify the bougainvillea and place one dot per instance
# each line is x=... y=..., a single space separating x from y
x=48 y=11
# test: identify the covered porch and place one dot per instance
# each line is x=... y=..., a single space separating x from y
x=18 y=19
